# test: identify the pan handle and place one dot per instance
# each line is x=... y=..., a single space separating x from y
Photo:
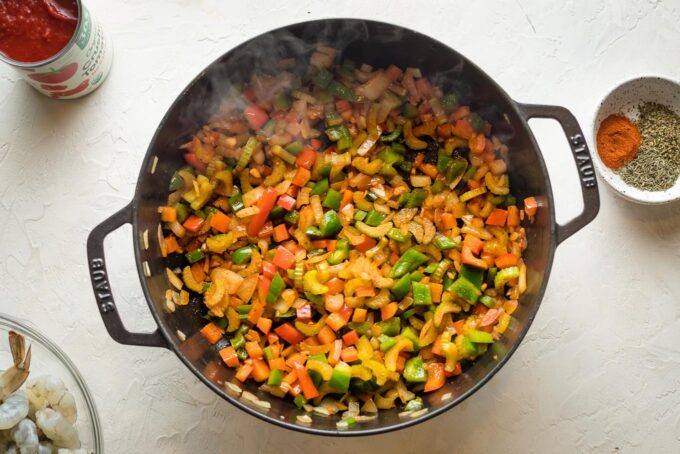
x=102 y=288
x=584 y=164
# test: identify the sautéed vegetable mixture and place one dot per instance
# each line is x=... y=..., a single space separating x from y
x=351 y=233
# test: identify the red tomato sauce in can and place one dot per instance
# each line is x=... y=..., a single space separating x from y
x=35 y=30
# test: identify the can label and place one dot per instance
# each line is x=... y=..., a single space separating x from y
x=80 y=69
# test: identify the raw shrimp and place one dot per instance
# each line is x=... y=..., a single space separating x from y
x=49 y=391
x=26 y=437
x=13 y=410
x=57 y=428
x=12 y=378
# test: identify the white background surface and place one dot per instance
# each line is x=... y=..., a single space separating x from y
x=600 y=368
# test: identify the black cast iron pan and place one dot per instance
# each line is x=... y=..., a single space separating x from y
x=378 y=44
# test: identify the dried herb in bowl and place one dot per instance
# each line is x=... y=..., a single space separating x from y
x=656 y=166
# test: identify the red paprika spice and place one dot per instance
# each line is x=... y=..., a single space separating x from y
x=618 y=141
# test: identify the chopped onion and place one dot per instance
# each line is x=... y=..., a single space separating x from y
x=145 y=239
x=303 y=419
x=181 y=336
x=252 y=398
x=417 y=413
x=446 y=396
x=232 y=387
x=369 y=407
x=145 y=267
x=174 y=279
x=154 y=163
x=161 y=241
x=375 y=87
x=420 y=181
x=177 y=229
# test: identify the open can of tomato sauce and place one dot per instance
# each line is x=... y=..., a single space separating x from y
x=57 y=45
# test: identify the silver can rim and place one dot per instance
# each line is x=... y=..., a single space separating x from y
x=53 y=58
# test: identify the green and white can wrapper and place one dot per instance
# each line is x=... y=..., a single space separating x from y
x=76 y=70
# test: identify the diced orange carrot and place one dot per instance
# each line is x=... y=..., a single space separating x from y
x=342 y=105
x=335 y=286
x=168 y=214
x=506 y=260
x=388 y=310
x=277 y=363
x=458 y=326
x=264 y=324
x=281 y=233
x=436 y=290
x=326 y=335
x=497 y=217
x=351 y=338
x=283 y=258
x=255 y=313
x=171 y=244
x=229 y=356
x=474 y=243
x=349 y=354
x=260 y=370
x=315 y=144
x=359 y=315
x=335 y=321
x=243 y=372
x=301 y=177
x=530 y=206
x=289 y=333
x=448 y=221
x=308 y=388
x=513 y=216
x=401 y=362
x=254 y=350
x=437 y=346
x=193 y=223
x=220 y=221
x=362 y=292
x=334 y=352
x=435 y=377
x=306 y=158
x=211 y=333
x=347 y=197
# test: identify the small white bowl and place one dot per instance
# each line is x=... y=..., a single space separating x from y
x=624 y=100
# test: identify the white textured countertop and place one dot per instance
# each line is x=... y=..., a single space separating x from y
x=599 y=370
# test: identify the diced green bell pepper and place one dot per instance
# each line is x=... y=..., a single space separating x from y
x=275 y=377
x=390 y=327
x=409 y=110
x=416 y=198
x=487 y=301
x=292 y=217
x=281 y=102
x=360 y=327
x=332 y=200
x=320 y=187
x=176 y=182
x=410 y=333
x=409 y=261
x=242 y=255
x=268 y=353
x=275 y=288
x=322 y=78
x=341 y=91
x=182 y=212
x=300 y=401
x=340 y=135
x=374 y=218
x=504 y=276
x=465 y=290
x=414 y=370
x=399 y=236
x=341 y=252
x=443 y=242
x=386 y=342
x=294 y=147
x=236 y=202
x=194 y=256
x=437 y=187
x=342 y=373
x=391 y=137
x=401 y=288
x=422 y=296
x=330 y=224
x=480 y=337
x=472 y=274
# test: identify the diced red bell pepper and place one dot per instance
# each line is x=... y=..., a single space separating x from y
x=256 y=116
x=306 y=158
x=286 y=202
x=193 y=223
x=304 y=312
x=194 y=162
x=265 y=205
x=283 y=258
x=288 y=333
x=268 y=269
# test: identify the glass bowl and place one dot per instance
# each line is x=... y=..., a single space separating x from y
x=48 y=358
